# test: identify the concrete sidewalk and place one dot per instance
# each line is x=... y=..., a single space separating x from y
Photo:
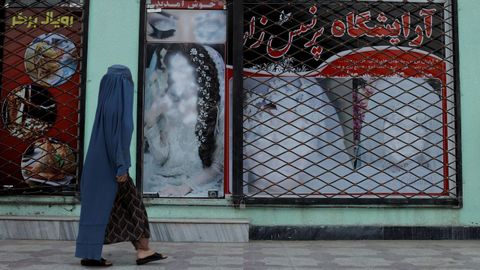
x=49 y=255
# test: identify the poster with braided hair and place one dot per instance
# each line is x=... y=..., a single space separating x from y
x=184 y=101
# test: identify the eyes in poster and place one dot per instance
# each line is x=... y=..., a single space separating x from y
x=197 y=26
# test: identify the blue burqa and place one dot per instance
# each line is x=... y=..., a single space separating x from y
x=108 y=156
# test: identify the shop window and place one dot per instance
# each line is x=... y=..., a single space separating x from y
x=183 y=97
x=348 y=102
x=42 y=68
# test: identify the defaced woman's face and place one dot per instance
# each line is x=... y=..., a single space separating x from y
x=183 y=90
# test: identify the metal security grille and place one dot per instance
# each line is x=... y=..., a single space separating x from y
x=42 y=63
x=348 y=102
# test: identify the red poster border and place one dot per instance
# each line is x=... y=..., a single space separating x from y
x=435 y=67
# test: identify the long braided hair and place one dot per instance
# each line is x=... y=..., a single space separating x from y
x=206 y=76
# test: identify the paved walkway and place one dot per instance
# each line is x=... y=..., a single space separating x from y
x=452 y=255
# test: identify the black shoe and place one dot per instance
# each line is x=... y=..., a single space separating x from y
x=99 y=263
x=154 y=257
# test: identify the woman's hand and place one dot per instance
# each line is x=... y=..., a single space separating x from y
x=122 y=178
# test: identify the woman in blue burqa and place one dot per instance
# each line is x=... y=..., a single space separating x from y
x=112 y=210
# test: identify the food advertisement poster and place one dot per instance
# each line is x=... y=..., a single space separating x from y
x=184 y=99
x=348 y=98
x=39 y=99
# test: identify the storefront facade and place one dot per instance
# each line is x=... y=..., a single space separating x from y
x=330 y=178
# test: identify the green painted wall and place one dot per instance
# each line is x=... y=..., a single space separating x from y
x=113 y=38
